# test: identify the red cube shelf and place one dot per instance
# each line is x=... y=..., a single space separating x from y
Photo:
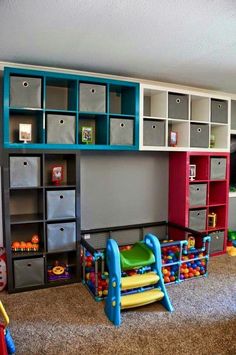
x=211 y=178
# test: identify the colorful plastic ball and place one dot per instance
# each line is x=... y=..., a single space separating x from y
x=181 y=277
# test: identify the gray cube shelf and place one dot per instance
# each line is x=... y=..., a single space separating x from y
x=35 y=205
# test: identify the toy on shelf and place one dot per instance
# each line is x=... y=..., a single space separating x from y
x=57 y=175
x=58 y=271
x=30 y=246
x=212 y=220
x=7 y=345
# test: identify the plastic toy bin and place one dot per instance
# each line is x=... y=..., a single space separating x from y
x=25 y=92
x=24 y=171
x=60 y=129
x=60 y=204
x=28 y=272
x=92 y=98
x=61 y=236
x=180 y=260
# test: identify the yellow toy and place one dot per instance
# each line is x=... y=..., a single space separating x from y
x=7 y=345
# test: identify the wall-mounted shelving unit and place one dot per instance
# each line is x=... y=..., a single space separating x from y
x=70 y=111
x=200 y=121
x=191 y=201
x=34 y=205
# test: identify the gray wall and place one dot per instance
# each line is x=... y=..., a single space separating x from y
x=123 y=188
x=232 y=214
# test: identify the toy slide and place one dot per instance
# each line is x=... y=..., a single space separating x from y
x=138 y=289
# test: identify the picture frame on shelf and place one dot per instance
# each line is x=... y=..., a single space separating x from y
x=173 y=139
x=192 y=172
x=57 y=174
x=25 y=132
x=87 y=135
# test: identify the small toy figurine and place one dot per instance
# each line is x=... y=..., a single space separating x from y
x=191 y=242
x=57 y=175
x=32 y=245
x=212 y=220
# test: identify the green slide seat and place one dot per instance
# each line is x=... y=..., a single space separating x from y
x=139 y=255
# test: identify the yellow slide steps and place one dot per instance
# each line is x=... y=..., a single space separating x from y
x=135 y=281
x=141 y=298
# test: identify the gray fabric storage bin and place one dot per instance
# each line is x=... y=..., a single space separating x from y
x=60 y=204
x=178 y=106
x=60 y=129
x=217 y=241
x=92 y=98
x=199 y=135
x=219 y=111
x=218 y=169
x=61 y=236
x=197 y=195
x=197 y=219
x=25 y=92
x=29 y=272
x=24 y=171
x=153 y=133
x=121 y=131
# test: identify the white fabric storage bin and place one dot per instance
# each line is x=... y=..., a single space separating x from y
x=24 y=171
x=60 y=129
x=92 y=98
x=60 y=204
x=61 y=236
x=25 y=92
x=28 y=272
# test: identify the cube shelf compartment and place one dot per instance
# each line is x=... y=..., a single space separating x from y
x=57 y=106
x=36 y=205
x=60 y=94
x=199 y=121
x=205 y=206
x=93 y=129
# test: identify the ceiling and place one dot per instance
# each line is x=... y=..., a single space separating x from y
x=189 y=42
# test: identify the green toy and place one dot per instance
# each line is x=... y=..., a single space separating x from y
x=139 y=255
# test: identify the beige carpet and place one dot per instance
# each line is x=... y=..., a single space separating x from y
x=66 y=320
